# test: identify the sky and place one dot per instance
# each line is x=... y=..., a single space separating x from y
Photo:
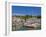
x=26 y=10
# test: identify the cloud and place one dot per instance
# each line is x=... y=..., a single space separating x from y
x=17 y=14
